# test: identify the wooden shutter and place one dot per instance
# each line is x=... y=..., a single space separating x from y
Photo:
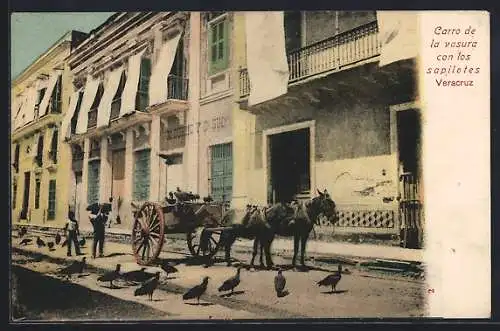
x=218 y=45
x=93 y=182
x=222 y=172
x=142 y=97
x=51 y=212
x=37 y=194
x=141 y=175
x=56 y=97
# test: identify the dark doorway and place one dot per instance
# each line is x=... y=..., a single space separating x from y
x=26 y=195
x=409 y=128
x=289 y=154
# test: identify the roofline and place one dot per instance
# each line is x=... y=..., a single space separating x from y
x=66 y=38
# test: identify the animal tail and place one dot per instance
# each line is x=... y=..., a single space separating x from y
x=187 y=296
x=139 y=291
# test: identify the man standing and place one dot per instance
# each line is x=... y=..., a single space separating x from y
x=72 y=233
x=99 y=223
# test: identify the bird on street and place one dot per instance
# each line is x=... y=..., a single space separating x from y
x=169 y=269
x=50 y=245
x=197 y=291
x=332 y=279
x=149 y=286
x=58 y=238
x=279 y=283
x=82 y=242
x=40 y=243
x=22 y=231
x=207 y=199
x=137 y=276
x=76 y=267
x=110 y=276
x=25 y=241
x=231 y=283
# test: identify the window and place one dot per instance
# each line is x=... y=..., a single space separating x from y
x=92 y=115
x=221 y=172
x=141 y=175
x=51 y=210
x=55 y=106
x=41 y=94
x=16 y=158
x=14 y=195
x=74 y=119
x=116 y=103
x=53 y=146
x=218 y=45
x=39 y=153
x=142 y=97
x=37 y=193
x=93 y=182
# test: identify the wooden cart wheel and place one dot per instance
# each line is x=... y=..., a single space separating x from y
x=148 y=233
x=203 y=242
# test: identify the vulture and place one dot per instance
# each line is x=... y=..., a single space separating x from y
x=149 y=286
x=50 y=245
x=279 y=283
x=25 y=241
x=22 y=231
x=74 y=268
x=82 y=242
x=231 y=283
x=208 y=199
x=332 y=279
x=58 y=238
x=110 y=276
x=137 y=276
x=169 y=269
x=40 y=242
x=197 y=291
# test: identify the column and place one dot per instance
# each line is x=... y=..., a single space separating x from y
x=105 y=172
x=129 y=177
x=154 y=174
x=82 y=203
x=191 y=160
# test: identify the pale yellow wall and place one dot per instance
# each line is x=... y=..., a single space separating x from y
x=62 y=172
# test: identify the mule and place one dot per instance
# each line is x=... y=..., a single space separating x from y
x=287 y=220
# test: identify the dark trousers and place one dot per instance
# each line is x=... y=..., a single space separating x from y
x=73 y=239
x=98 y=240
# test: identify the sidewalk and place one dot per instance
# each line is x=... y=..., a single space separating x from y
x=321 y=248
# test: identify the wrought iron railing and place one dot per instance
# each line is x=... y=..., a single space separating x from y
x=330 y=54
x=92 y=121
x=177 y=87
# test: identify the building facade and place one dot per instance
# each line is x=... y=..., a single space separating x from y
x=343 y=121
x=40 y=161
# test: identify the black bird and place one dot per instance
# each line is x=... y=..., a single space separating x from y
x=50 y=245
x=40 y=242
x=76 y=267
x=279 y=283
x=149 y=286
x=231 y=283
x=110 y=276
x=169 y=269
x=64 y=243
x=137 y=276
x=332 y=279
x=25 y=241
x=208 y=199
x=82 y=242
x=58 y=238
x=197 y=291
x=22 y=231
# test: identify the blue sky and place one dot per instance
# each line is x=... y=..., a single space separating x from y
x=33 y=33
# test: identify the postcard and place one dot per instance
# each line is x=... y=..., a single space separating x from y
x=250 y=165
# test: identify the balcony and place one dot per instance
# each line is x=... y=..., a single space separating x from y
x=330 y=55
x=177 y=95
